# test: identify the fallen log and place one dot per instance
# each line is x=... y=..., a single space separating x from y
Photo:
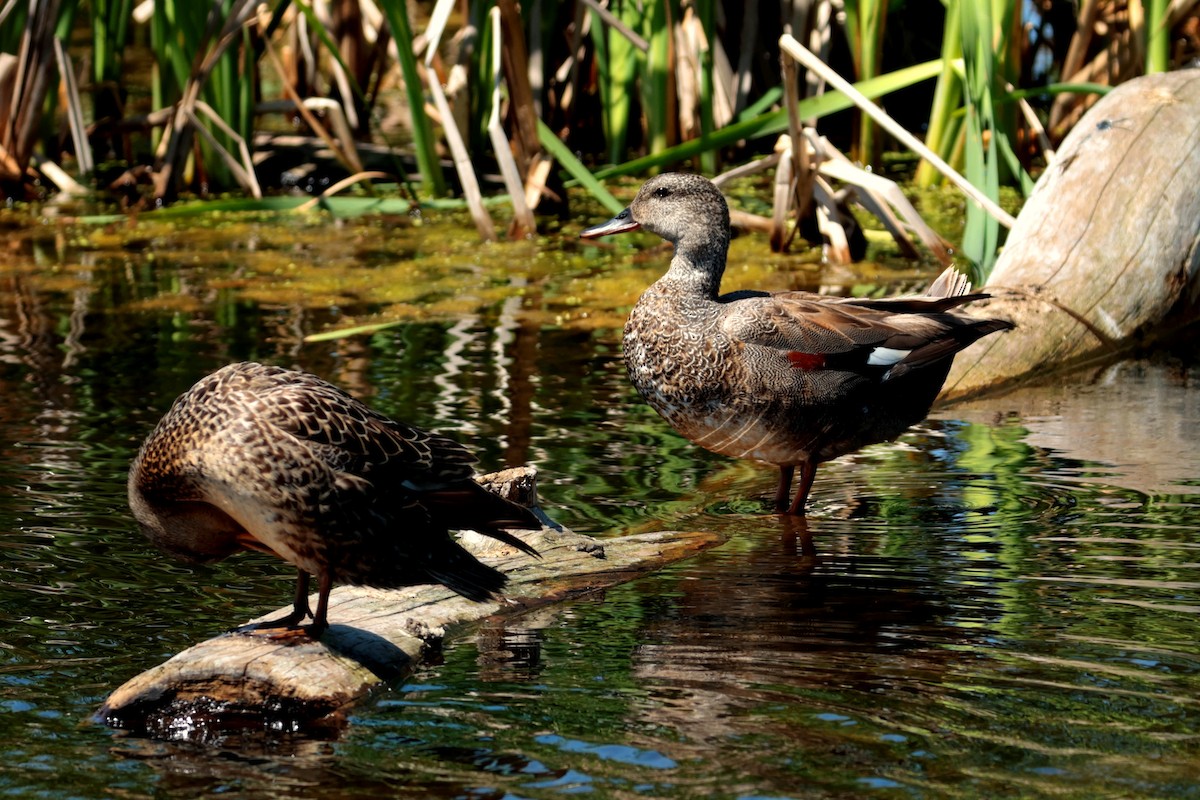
x=1105 y=254
x=241 y=680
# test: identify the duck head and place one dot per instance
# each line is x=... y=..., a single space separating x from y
x=688 y=211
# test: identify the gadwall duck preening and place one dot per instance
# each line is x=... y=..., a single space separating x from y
x=263 y=458
x=792 y=378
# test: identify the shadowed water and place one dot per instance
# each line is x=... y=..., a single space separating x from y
x=1002 y=604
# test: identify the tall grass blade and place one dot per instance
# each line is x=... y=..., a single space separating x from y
x=110 y=32
x=555 y=147
x=981 y=234
x=1158 y=36
x=945 y=123
x=658 y=97
x=618 y=55
x=422 y=128
x=864 y=29
x=773 y=123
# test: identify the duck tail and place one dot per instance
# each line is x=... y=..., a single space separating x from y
x=959 y=337
x=467 y=506
x=951 y=283
x=461 y=572
x=949 y=290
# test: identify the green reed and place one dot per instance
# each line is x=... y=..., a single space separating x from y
x=642 y=97
x=110 y=36
x=865 y=20
x=424 y=143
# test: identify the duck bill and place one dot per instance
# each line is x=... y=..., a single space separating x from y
x=619 y=224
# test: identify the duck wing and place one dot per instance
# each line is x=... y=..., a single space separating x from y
x=877 y=338
x=351 y=435
x=415 y=474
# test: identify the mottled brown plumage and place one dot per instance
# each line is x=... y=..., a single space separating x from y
x=262 y=458
x=790 y=378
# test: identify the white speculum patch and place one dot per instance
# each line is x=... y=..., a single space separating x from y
x=886 y=356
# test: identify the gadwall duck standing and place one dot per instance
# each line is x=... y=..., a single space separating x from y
x=262 y=458
x=791 y=378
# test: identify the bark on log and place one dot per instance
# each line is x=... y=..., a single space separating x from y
x=240 y=680
x=1107 y=248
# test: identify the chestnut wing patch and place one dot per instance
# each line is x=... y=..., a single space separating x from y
x=806 y=361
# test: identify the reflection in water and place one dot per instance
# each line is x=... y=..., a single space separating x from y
x=949 y=668
x=1128 y=424
x=980 y=610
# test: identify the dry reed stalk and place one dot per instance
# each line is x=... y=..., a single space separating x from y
x=515 y=59
x=243 y=171
x=177 y=138
x=620 y=27
x=30 y=81
x=724 y=83
x=523 y=220
x=782 y=196
x=346 y=154
x=579 y=29
x=688 y=44
x=831 y=223
x=803 y=164
x=805 y=56
x=78 y=128
x=881 y=196
x=344 y=183
x=535 y=181
x=745 y=77
x=458 y=149
x=67 y=185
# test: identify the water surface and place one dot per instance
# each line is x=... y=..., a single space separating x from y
x=1004 y=603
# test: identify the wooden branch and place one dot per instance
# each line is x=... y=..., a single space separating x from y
x=1108 y=244
x=376 y=636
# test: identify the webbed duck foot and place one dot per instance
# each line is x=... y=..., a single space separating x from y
x=285 y=631
x=287 y=627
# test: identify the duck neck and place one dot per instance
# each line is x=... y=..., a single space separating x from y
x=697 y=266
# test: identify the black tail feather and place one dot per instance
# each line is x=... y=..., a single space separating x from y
x=509 y=539
x=917 y=305
x=958 y=338
x=461 y=572
x=467 y=506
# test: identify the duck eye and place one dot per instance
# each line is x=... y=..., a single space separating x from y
x=662 y=192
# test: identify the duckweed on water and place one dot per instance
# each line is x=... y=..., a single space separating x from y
x=400 y=267
x=371 y=270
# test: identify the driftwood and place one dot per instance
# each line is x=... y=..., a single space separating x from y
x=1105 y=253
x=241 y=679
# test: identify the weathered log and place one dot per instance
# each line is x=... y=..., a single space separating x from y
x=243 y=679
x=1105 y=253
